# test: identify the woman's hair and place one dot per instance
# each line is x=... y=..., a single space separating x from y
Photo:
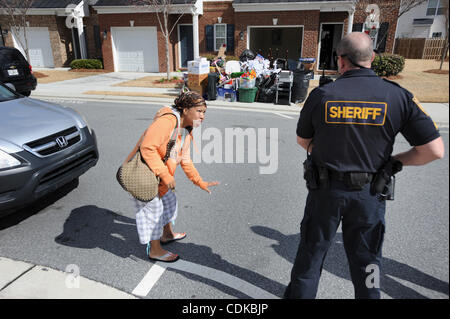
x=186 y=100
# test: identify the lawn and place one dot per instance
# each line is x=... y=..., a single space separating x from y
x=51 y=76
x=427 y=87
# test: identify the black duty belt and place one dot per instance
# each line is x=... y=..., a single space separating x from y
x=341 y=176
x=352 y=180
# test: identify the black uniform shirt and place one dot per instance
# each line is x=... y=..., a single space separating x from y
x=354 y=120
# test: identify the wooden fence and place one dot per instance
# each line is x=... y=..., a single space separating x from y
x=419 y=48
x=433 y=49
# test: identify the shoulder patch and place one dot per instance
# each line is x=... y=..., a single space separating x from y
x=417 y=103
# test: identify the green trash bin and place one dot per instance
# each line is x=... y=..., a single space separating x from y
x=247 y=95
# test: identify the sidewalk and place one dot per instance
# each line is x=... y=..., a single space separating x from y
x=103 y=84
x=21 y=280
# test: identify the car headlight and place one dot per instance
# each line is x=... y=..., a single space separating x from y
x=87 y=125
x=7 y=161
x=83 y=121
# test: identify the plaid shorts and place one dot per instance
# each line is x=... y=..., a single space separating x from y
x=152 y=216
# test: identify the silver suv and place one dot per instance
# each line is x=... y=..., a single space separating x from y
x=43 y=146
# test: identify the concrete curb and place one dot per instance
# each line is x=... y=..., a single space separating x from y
x=21 y=280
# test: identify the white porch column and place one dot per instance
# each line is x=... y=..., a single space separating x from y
x=195 y=35
x=351 y=14
x=81 y=37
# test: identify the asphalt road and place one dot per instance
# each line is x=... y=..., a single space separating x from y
x=242 y=239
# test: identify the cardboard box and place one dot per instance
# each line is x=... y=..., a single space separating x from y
x=197 y=79
x=198 y=83
x=198 y=66
x=201 y=89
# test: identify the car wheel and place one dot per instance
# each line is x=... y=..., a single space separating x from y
x=26 y=93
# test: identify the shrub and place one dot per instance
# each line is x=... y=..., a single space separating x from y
x=232 y=58
x=388 y=64
x=86 y=64
x=210 y=57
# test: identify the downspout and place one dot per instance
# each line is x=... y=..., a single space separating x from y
x=351 y=15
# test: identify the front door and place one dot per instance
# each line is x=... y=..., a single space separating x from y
x=330 y=35
x=186 y=45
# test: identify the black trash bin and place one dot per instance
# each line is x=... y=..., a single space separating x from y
x=213 y=79
x=300 y=85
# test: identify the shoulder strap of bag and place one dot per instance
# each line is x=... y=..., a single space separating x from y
x=174 y=134
x=173 y=138
x=171 y=142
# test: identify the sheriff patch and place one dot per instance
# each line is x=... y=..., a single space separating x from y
x=355 y=112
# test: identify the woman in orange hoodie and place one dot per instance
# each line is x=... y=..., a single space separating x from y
x=154 y=219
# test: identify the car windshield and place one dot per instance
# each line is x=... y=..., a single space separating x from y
x=6 y=95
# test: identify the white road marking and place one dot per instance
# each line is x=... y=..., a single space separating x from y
x=424 y=291
x=149 y=280
x=282 y=115
x=221 y=277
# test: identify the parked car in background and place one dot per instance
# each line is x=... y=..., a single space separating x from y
x=43 y=146
x=16 y=70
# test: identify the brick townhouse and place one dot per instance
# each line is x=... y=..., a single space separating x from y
x=55 y=34
x=129 y=37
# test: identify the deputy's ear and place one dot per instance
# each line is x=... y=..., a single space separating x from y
x=373 y=57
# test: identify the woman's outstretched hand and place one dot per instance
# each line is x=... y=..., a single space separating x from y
x=205 y=186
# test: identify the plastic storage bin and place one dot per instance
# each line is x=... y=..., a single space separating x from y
x=246 y=83
x=228 y=95
x=247 y=95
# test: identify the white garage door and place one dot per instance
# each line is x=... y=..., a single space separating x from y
x=135 y=49
x=39 y=47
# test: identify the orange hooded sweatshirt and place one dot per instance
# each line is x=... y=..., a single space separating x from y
x=154 y=146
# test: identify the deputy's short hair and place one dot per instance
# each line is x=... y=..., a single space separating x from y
x=358 y=51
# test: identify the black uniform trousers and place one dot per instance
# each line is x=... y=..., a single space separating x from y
x=363 y=227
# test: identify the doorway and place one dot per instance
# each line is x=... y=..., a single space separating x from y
x=330 y=35
x=274 y=42
x=186 y=44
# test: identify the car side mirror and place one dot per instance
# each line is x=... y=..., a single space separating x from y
x=11 y=86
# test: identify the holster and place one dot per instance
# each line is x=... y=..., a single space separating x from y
x=310 y=173
x=384 y=180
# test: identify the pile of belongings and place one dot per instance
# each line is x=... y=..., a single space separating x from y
x=255 y=70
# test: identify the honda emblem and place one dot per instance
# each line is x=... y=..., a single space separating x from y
x=62 y=142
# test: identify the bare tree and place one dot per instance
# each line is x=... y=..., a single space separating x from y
x=445 y=48
x=408 y=5
x=405 y=6
x=163 y=9
x=17 y=11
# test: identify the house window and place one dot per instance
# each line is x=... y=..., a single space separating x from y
x=220 y=36
x=435 y=7
x=437 y=35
